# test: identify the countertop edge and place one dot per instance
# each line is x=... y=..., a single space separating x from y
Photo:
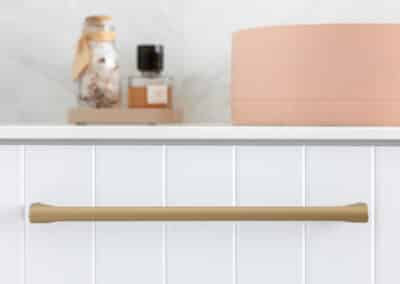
x=198 y=132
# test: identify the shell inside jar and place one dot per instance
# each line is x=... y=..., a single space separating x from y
x=100 y=84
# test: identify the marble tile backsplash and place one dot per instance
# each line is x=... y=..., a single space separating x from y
x=39 y=38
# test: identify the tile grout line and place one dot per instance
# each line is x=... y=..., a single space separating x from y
x=94 y=280
x=373 y=214
x=235 y=225
x=25 y=212
x=164 y=226
x=304 y=201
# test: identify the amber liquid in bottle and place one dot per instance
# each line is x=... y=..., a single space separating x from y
x=150 y=91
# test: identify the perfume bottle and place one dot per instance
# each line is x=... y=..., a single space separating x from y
x=150 y=89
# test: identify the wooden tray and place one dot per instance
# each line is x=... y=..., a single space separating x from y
x=124 y=116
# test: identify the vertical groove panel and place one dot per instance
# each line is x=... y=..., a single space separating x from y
x=129 y=252
x=199 y=252
x=304 y=201
x=11 y=217
x=269 y=251
x=59 y=252
x=94 y=223
x=25 y=213
x=372 y=215
x=339 y=252
x=387 y=198
x=164 y=226
x=235 y=225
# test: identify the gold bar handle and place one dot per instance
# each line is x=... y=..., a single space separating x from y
x=42 y=213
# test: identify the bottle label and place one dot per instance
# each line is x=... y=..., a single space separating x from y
x=157 y=94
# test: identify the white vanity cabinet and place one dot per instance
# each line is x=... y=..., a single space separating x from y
x=199 y=166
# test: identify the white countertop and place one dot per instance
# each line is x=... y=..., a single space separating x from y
x=197 y=132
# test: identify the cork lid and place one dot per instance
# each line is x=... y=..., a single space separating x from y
x=97 y=19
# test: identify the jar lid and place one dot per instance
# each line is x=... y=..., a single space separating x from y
x=98 y=18
x=150 y=58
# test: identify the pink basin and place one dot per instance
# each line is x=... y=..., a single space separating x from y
x=330 y=74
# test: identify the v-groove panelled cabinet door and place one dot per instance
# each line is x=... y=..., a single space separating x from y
x=213 y=184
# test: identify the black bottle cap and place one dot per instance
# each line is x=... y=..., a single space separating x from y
x=150 y=58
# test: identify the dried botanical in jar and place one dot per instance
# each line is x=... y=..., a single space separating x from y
x=96 y=66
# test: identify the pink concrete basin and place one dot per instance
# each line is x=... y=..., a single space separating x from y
x=329 y=74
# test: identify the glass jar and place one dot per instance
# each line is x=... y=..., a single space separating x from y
x=100 y=81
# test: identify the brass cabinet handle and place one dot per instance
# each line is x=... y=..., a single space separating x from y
x=42 y=213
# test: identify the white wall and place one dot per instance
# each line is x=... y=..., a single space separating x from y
x=38 y=40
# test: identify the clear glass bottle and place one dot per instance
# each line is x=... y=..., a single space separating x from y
x=100 y=84
x=150 y=89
